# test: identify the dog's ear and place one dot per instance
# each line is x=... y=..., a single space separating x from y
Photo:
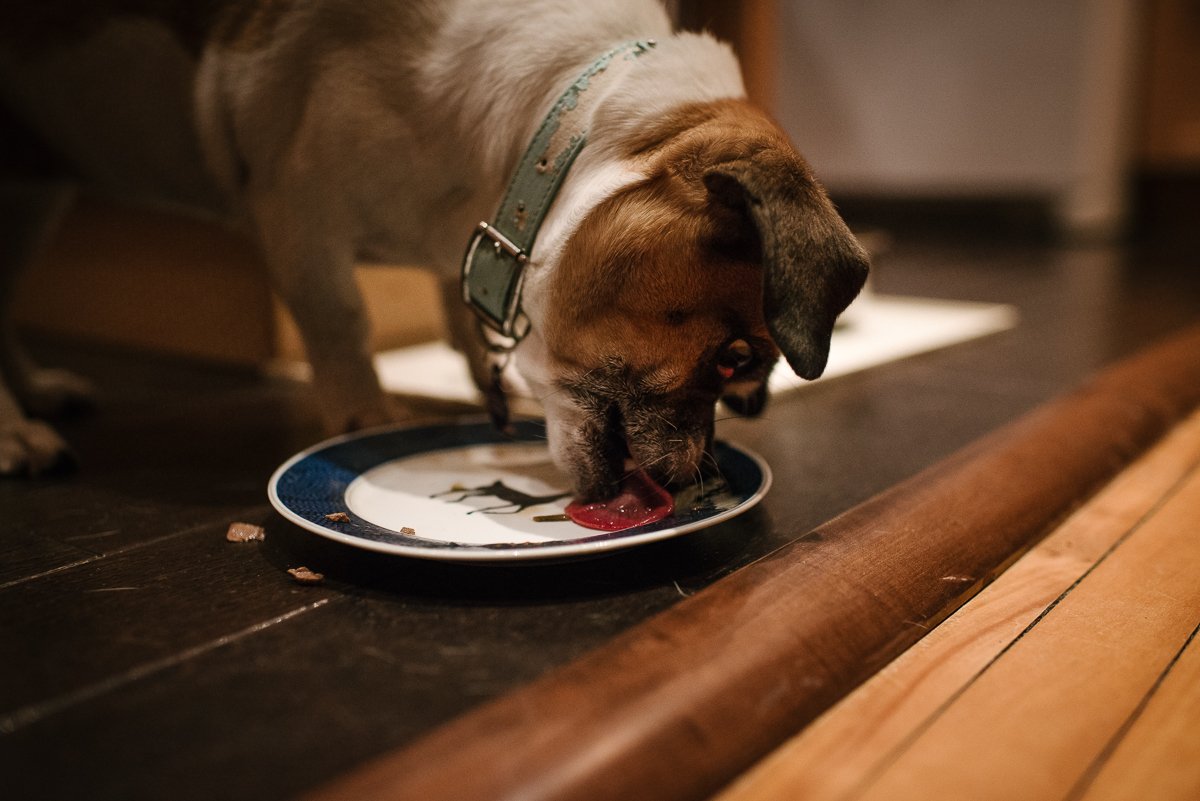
x=812 y=265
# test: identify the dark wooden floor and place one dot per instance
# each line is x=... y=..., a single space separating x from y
x=144 y=657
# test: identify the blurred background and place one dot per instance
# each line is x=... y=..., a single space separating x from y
x=1068 y=123
x=1075 y=118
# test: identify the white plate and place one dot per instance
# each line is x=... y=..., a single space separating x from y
x=466 y=492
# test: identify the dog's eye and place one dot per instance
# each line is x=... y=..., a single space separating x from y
x=733 y=357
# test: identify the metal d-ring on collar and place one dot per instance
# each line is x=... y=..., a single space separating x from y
x=493 y=268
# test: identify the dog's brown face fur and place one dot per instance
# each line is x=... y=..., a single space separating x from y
x=684 y=288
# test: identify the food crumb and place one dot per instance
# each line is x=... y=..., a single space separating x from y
x=303 y=575
x=550 y=518
x=245 y=532
x=338 y=517
x=408 y=532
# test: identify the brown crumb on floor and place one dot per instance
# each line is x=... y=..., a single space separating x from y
x=245 y=532
x=408 y=532
x=338 y=517
x=303 y=575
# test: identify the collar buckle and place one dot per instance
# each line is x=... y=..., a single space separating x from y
x=494 y=292
x=502 y=242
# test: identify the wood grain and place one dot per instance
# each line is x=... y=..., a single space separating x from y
x=845 y=747
x=1054 y=699
x=157 y=602
x=1159 y=758
x=679 y=705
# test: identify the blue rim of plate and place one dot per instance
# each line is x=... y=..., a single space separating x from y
x=312 y=484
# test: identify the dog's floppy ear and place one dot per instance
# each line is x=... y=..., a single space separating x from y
x=812 y=265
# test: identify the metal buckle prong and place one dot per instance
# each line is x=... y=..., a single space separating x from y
x=502 y=242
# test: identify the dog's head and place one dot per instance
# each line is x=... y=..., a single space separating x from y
x=683 y=288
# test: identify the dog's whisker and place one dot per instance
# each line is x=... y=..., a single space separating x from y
x=646 y=465
x=548 y=395
x=667 y=420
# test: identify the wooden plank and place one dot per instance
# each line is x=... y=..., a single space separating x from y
x=23 y=552
x=851 y=742
x=111 y=617
x=268 y=714
x=1052 y=701
x=1159 y=757
x=679 y=705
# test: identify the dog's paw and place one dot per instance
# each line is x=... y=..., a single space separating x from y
x=54 y=393
x=32 y=448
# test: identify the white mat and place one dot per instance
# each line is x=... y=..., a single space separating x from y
x=877 y=329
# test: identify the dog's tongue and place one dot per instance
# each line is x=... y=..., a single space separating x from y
x=640 y=501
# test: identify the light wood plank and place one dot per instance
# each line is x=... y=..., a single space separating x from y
x=1159 y=757
x=1031 y=724
x=860 y=735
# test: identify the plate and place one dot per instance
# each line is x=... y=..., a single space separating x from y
x=466 y=492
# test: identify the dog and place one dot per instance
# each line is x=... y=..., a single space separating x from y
x=685 y=246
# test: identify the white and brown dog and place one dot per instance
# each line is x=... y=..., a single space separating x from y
x=687 y=246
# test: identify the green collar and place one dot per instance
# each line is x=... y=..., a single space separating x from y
x=498 y=251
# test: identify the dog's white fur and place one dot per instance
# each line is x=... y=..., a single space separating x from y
x=370 y=130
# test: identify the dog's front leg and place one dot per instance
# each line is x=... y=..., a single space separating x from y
x=314 y=274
